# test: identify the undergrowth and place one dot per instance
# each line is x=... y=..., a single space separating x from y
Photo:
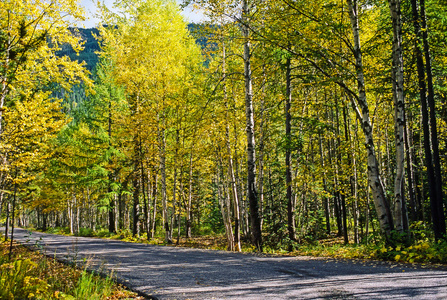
x=31 y=275
x=420 y=251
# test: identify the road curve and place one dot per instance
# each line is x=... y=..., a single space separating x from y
x=182 y=273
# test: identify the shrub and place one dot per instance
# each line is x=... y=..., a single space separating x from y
x=103 y=232
x=16 y=281
x=88 y=232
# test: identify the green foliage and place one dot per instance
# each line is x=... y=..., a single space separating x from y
x=205 y=229
x=421 y=248
x=30 y=275
x=420 y=251
x=87 y=232
x=59 y=230
x=103 y=232
x=89 y=52
x=18 y=281
x=154 y=127
x=93 y=287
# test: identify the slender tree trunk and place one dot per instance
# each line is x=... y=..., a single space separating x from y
x=78 y=218
x=136 y=185
x=146 y=204
x=354 y=184
x=336 y=198
x=162 y=143
x=71 y=213
x=252 y=194
x=2 y=202
x=289 y=196
x=237 y=233
x=7 y=221
x=224 y=202
x=375 y=182
x=325 y=199
x=410 y=174
x=12 y=217
x=232 y=178
x=112 y=227
x=340 y=178
x=352 y=180
x=135 y=204
x=242 y=214
x=121 y=203
x=179 y=215
x=154 y=204
x=174 y=186
x=189 y=204
x=345 y=218
x=428 y=121
x=261 y=148
x=367 y=215
x=440 y=201
x=399 y=108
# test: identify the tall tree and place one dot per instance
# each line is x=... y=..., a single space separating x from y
x=397 y=75
x=252 y=193
x=426 y=94
x=31 y=34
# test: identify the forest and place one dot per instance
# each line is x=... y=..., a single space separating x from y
x=276 y=123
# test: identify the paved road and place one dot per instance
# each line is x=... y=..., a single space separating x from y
x=182 y=273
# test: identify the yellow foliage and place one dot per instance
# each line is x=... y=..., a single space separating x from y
x=32 y=32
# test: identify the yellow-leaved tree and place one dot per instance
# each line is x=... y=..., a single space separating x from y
x=31 y=34
x=155 y=60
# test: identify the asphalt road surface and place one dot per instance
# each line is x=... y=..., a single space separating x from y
x=182 y=273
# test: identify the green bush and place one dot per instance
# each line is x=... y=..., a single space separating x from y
x=16 y=281
x=103 y=232
x=122 y=234
x=88 y=232
x=59 y=230
x=420 y=251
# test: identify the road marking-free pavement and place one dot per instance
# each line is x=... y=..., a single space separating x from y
x=164 y=272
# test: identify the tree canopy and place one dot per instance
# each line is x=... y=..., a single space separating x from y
x=277 y=122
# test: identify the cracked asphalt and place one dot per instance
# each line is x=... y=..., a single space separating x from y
x=161 y=272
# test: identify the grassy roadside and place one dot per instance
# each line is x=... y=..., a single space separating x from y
x=32 y=275
x=420 y=251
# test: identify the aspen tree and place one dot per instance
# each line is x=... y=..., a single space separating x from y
x=31 y=33
x=375 y=181
x=151 y=51
x=399 y=120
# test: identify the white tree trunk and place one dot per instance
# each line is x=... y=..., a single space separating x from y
x=399 y=106
x=250 y=123
x=374 y=178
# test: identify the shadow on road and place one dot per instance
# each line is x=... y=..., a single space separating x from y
x=183 y=273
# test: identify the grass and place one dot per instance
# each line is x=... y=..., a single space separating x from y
x=31 y=275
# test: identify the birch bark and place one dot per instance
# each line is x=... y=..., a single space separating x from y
x=375 y=181
x=290 y=202
x=399 y=106
x=251 y=153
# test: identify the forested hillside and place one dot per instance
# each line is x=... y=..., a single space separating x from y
x=90 y=47
x=278 y=122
